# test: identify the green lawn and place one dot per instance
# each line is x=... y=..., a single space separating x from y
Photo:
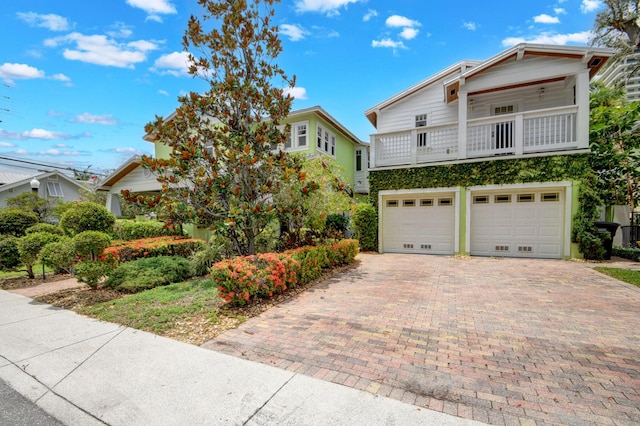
x=163 y=308
x=626 y=275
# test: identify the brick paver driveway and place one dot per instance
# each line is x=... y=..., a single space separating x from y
x=504 y=341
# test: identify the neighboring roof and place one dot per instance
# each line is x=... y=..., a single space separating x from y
x=9 y=177
x=327 y=117
x=593 y=56
x=41 y=176
x=122 y=171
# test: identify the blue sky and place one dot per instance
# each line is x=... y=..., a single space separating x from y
x=80 y=79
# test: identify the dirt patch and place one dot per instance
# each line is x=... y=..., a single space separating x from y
x=77 y=298
x=25 y=282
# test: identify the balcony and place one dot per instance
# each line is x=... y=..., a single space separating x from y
x=553 y=129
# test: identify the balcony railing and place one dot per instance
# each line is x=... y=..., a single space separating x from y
x=510 y=134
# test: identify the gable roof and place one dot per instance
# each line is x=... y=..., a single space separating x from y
x=119 y=173
x=27 y=180
x=150 y=137
x=594 y=57
x=318 y=110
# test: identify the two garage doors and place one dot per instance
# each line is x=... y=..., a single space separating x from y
x=514 y=223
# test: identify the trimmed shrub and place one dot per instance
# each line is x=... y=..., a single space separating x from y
x=365 y=225
x=152 y=247
x=45 y=227
x=89 y=244
x=631 y=253
x=60 y=255
x=9 y=255
x=144 y=274
x=336 y=225
x=15 y=222
x=91 y=272
x=249 y=277
x=29 y=248
x=244 y=278
x=87 y=216
x=127 y=230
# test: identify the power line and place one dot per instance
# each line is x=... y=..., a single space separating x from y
x=44 y=165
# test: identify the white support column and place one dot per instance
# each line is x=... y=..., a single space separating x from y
x=519 y=135
x=582 y=101
x=414 y=146
x=462 y=125
x=372 y=151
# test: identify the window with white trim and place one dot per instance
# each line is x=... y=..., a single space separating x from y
x=55 y=189
x=298 y=136
x=421 y=120
x=358 y=160
x=326 y=141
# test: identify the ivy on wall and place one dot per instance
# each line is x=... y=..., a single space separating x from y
x=496 y=172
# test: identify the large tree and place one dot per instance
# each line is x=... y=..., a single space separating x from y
x=615 y=145
x=617 y=25
x=222 y=171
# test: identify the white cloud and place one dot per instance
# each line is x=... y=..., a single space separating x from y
x=154 y=8
x=101 y=50
x=330 y=7
x=175 y=64
x=120 y=30
x=125 y=150
x=549 y=38
x=546 y=19
x=39 y=134
x=387 y=42
x=559 y=11
x=370 y=14
x=104 y=119
x=51 y=22
x=293 y=31
x=7 y=145
x=60 y=77
x=471 y=26
x=409 y=33
x=401 y=21
x=58 y=153
x=296 y=92
x=163 y=92
x=590 y=5
x=10 y=72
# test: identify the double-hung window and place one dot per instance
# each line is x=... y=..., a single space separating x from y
x=326 y=141
x=297 y=139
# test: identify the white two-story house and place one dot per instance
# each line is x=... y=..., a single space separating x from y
x=486 y=157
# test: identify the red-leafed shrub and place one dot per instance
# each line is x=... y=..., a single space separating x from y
x=151 y=247
x=241 y=279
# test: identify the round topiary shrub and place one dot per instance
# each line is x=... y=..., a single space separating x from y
x=16 y=221
x=87 y=216
x=59 y=255
x=89 y=244
x=9 y=255
x=30 y=246
x=91 y=272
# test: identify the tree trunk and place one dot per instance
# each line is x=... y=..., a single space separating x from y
x=30 y=271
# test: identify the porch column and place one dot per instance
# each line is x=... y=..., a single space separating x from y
x=582 y=101
x=462 y=125
x=372 y=151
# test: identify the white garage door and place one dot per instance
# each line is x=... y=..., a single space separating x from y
x=418 y=223
x=524 y=223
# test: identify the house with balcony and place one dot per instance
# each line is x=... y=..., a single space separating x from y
x=486 y=157
x=313 y=133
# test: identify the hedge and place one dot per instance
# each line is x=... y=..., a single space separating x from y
x=132 y=230
x=632 y=253
x=245 y=278
x=151 y=247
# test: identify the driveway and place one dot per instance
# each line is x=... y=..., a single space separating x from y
x=503 y=341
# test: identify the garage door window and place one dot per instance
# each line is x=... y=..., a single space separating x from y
x=426 y=202
x=392 y=203
x=445 y=202
x=481 y=199
x=526 y=198
x=502 y=198
x=408 y=203
x=550 y=197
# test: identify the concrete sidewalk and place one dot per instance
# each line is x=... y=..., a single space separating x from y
x=86 y=372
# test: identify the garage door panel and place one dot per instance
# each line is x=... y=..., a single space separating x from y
x=419 y=228
x=521 y=225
